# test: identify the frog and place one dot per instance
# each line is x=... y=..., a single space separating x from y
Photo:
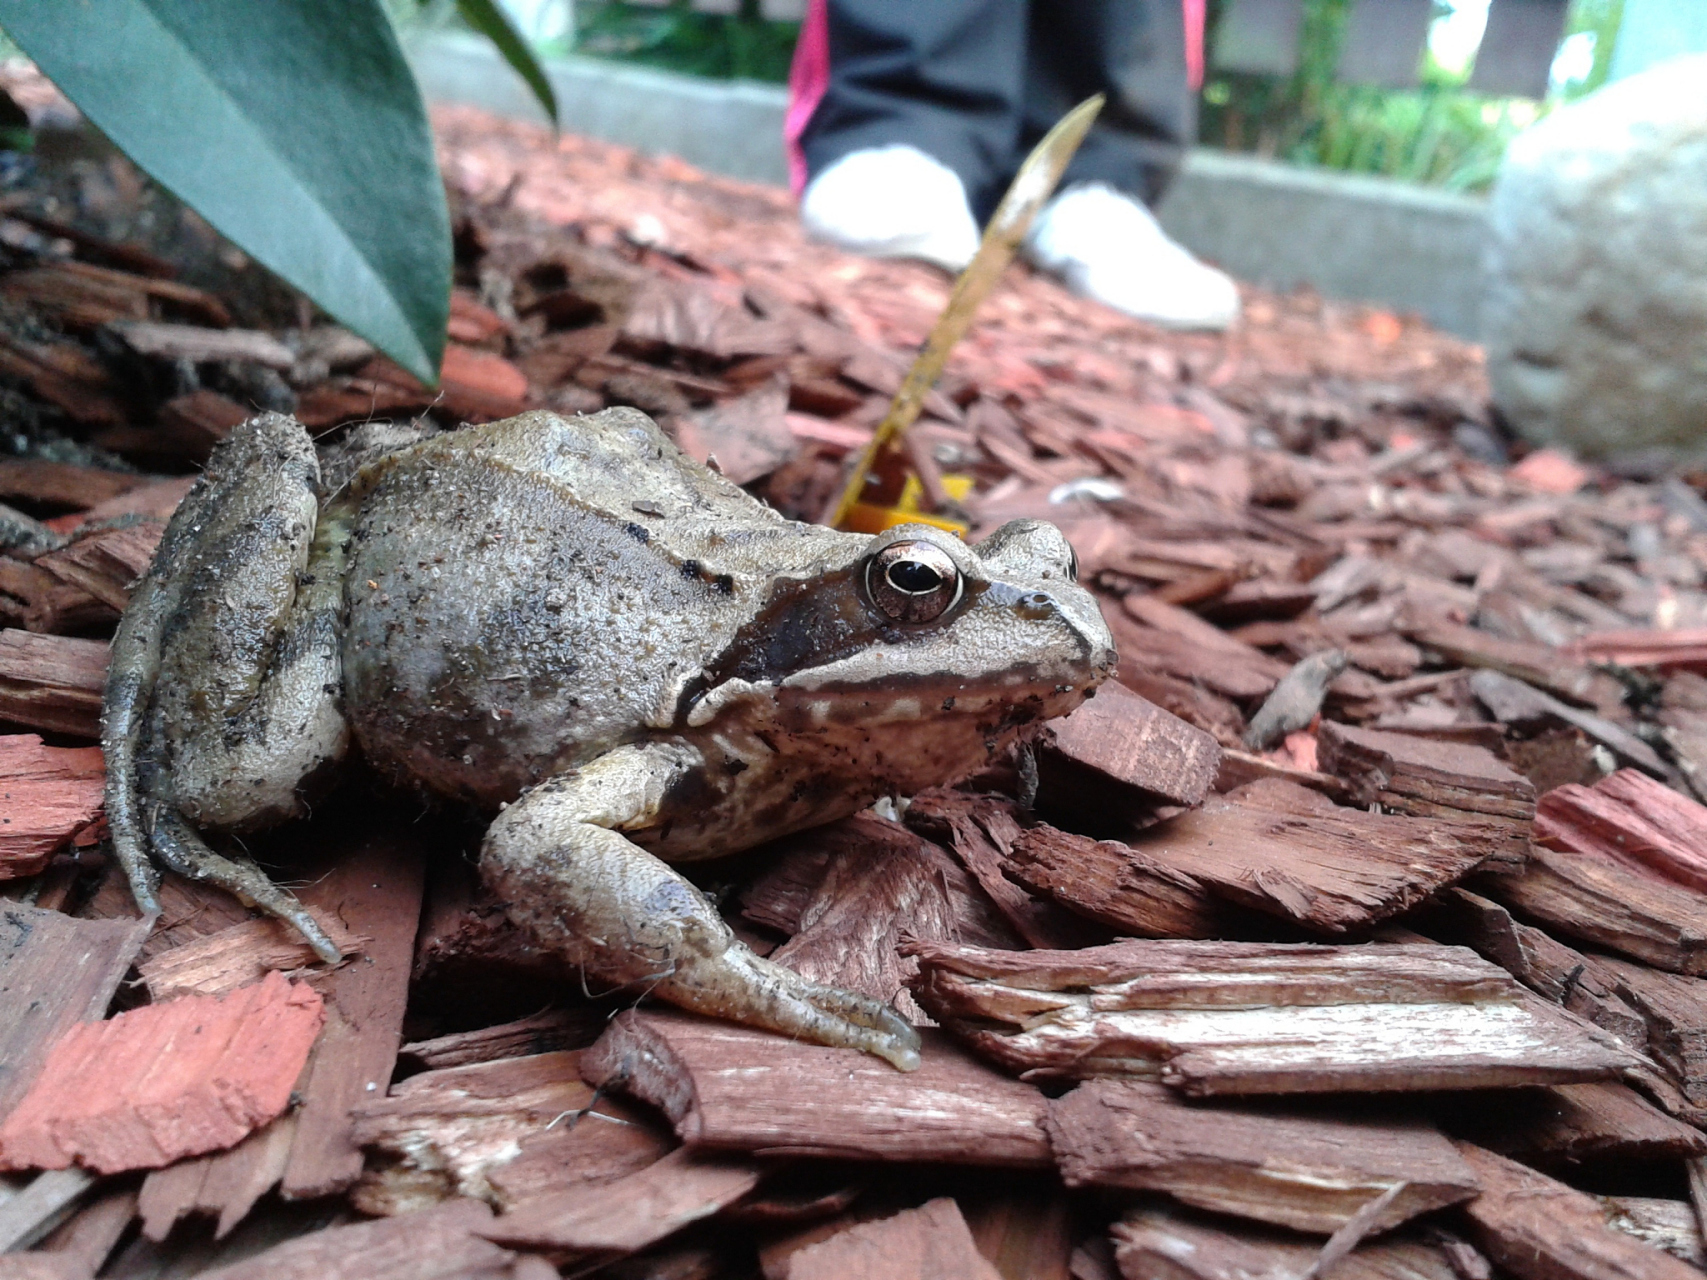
x=623 y=660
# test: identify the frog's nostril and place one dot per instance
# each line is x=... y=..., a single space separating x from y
x=1034 y=606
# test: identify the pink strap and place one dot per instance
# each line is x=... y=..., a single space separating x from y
x=1196 y=14
x=808 y=81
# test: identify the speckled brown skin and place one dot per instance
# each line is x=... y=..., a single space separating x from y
x=573 y=623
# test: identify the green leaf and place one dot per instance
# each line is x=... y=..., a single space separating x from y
x=15 y=132
x=489 y=19
x=293 y=126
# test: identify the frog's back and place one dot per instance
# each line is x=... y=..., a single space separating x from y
x=527 y=595
x=610 y=461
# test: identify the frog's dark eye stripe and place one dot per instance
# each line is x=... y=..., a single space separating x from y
x=1072 y=564
x=912 y=582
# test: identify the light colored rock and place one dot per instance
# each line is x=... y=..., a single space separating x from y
x=1596 y=314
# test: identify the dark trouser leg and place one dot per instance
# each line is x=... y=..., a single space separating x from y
x=1132 y=50
x=945 y=76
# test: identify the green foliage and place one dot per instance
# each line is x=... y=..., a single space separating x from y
x=1440 y=136
x=490 y=20
x=1439 y=133
x=741 y=46
x=15 y=132
x=1601 y=17
x=293 y=126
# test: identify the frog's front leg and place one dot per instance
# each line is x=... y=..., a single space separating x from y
x=558 y=860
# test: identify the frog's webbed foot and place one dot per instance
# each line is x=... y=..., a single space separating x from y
x=558 y=861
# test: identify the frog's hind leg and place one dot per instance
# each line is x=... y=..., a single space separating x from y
x=559 y=862
x=223 y=691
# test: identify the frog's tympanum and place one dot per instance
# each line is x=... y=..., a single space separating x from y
x=623 y=656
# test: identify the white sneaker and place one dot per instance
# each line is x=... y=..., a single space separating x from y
x=892 y=202
x=1107 y=246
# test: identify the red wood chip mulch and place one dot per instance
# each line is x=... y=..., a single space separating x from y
x=1355 y=932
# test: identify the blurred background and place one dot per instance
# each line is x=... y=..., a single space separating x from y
x=1423 y=90
x=1346 y=145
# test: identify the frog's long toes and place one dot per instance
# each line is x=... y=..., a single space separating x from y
x=895 y=1040
x=323 y=947
x=283 y=906
x=872 y=1025
x=739 y=985
x=145 y=889
x=863 y=1011
x=899 y=1050
x=908 y=1046
x=885 y=1035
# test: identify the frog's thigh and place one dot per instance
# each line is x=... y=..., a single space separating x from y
x=251 y=672
x=601 y=902
x=250 y=771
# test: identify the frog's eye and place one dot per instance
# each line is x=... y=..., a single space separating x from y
x=912 y=581
x=1072 y=564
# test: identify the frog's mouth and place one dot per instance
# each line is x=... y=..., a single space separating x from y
x=816 y=700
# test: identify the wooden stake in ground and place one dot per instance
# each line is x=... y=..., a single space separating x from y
x=1031 y=188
